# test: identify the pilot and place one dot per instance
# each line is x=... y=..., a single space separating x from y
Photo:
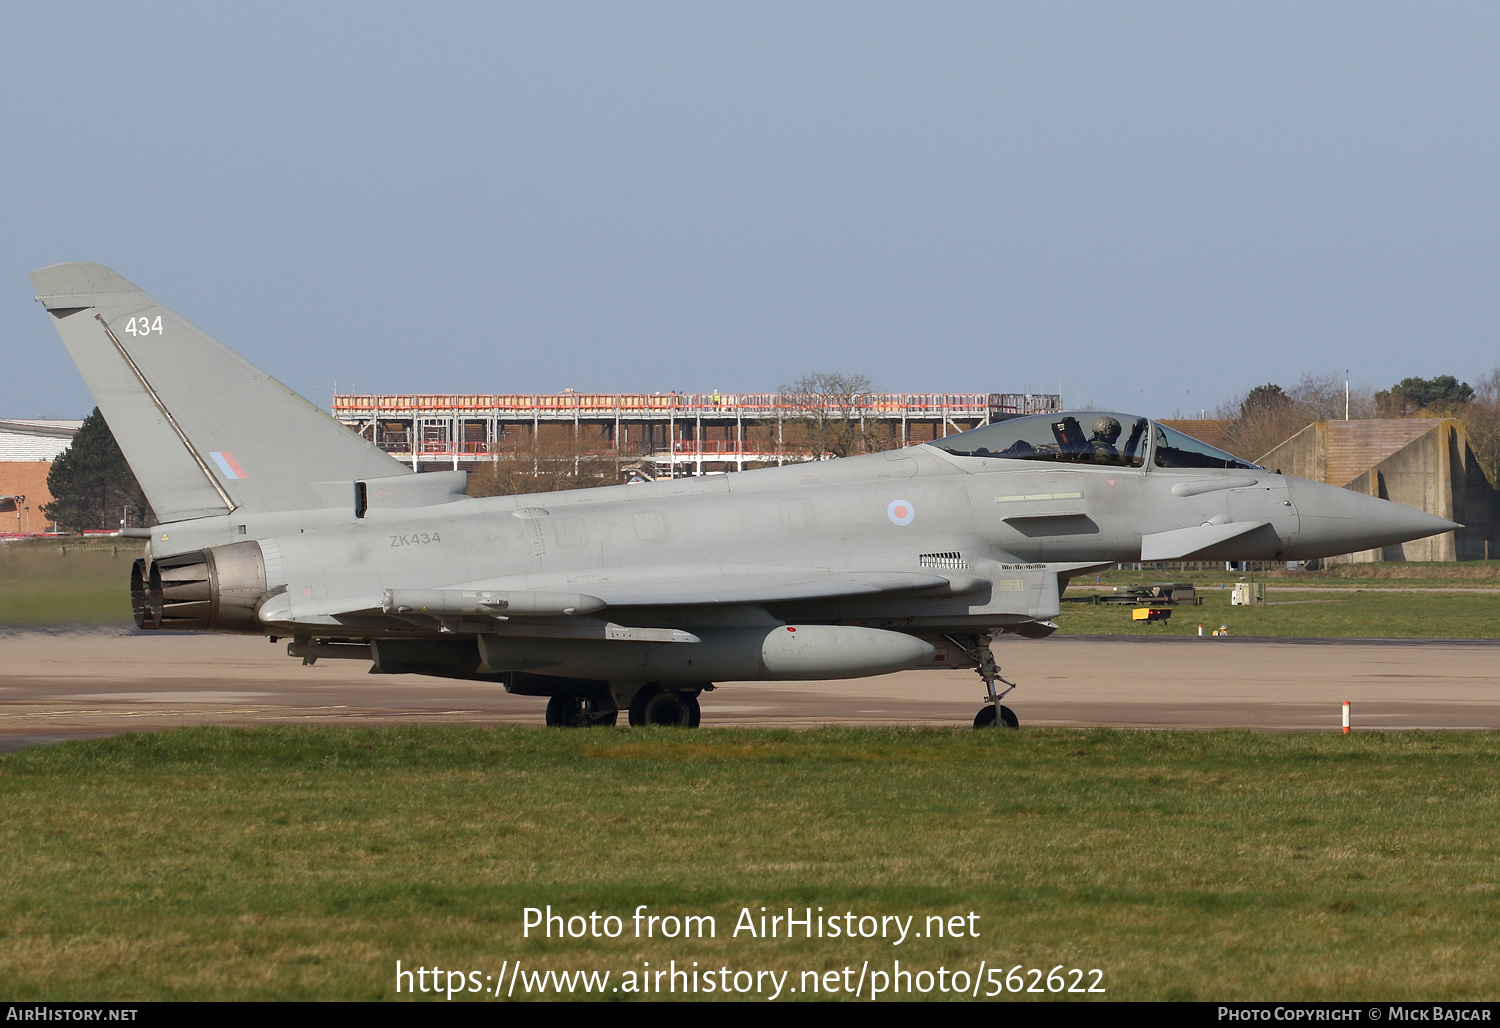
x=1102 y=442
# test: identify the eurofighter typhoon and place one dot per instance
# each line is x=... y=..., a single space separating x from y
x=277 y=520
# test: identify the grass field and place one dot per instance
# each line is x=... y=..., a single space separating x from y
x=1361 y=613
x=1408 y=600
x=68 y=582
x=303 y=863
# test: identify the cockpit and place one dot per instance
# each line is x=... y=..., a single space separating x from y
x=1090 y=437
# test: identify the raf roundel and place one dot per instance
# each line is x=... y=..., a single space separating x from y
x=901 y=512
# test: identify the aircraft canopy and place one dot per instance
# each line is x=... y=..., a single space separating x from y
x=1090 y=437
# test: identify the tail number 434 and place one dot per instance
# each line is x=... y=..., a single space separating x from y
x=144 y=326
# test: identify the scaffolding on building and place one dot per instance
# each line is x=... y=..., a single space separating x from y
x=666 y=434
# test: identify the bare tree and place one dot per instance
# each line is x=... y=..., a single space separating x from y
x=1268 y=415
x=1322 y=397
x=543 y=469
x=831 y=413
x=1482 y=423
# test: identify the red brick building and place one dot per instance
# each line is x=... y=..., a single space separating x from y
x=27 y=450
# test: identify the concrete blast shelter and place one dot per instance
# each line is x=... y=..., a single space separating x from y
x=1424 y=463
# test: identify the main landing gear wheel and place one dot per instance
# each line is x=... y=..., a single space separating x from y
x=657 y=706
x=577 y=712
x=986 y=717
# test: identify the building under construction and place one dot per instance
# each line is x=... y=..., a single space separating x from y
x=664 y=434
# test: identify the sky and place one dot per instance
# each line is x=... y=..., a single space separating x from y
x=1152 y=206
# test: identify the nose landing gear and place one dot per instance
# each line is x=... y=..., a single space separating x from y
x=993 y=713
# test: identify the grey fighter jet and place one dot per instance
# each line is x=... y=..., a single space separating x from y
x=277 y=520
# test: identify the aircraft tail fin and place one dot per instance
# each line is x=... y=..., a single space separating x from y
x=204 y=430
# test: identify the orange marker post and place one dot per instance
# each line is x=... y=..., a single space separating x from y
x=1346 y=717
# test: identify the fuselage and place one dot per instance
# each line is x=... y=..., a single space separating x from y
x=918 y=508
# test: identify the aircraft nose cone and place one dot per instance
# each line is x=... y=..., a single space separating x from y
x=1334 y=520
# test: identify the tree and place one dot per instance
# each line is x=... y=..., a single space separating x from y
x=829 y=410
x=1268 y=415
x=1482 y=423
x=1262 y=400
x=91 y=484
x=1441 y=396
x=1323 y=398
x=543 y=469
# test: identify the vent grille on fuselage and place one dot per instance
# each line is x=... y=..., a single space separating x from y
x=951 y=559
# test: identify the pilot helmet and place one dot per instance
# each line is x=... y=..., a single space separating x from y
x=1106 y=428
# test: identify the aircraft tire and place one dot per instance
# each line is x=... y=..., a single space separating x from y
x=637 y=713
x=654 y=705
x=568 y=712
x=986 y=717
